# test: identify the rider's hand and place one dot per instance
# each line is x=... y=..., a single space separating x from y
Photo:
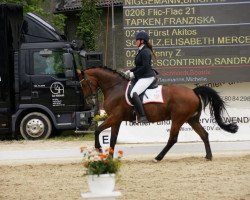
x=131 y=75
x=127 y=72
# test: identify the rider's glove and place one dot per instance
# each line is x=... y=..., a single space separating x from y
x=131 y=75
x=127 y=72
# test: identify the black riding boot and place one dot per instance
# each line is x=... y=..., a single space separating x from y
x=139 y=108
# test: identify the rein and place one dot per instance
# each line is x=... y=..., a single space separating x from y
x=89 y=83
x=113 y=85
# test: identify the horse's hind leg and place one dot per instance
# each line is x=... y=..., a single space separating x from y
x=195 y=124
x=171 y=141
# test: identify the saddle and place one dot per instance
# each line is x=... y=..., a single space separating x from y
x=153 y=94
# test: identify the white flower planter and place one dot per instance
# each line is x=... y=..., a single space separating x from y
x=102 y=184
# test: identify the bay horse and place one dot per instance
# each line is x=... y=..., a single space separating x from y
x=181 y=104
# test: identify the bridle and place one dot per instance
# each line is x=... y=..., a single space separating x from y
x=89 y=83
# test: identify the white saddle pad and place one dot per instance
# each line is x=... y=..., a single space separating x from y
x=150 y=96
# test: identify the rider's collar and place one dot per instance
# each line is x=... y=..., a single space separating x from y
x=140 y=48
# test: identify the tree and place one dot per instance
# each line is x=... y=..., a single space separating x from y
x=29 y=5
x=36 y=6
x=88 y=27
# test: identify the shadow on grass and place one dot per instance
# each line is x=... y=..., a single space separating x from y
x=71 y=136
x=56 y=136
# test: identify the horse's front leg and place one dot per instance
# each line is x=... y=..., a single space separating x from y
x=97 y=142
x=106 y=124
x=114 y=133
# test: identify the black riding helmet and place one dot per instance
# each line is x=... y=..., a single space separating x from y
x=142 y=36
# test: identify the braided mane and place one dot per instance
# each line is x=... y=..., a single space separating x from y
x=112 y=70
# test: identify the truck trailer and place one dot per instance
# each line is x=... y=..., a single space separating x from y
x=39 y=87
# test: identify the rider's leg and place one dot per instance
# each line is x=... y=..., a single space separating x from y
x=139 y=108
x=140 y=86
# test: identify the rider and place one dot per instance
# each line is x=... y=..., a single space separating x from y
x=142 y=73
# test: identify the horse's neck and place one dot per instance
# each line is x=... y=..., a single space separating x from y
x=111 y=84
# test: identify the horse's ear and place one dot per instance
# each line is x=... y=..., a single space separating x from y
x=78 y=71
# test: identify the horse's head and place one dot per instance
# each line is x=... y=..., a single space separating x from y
x=88 y=83
x=103 y=78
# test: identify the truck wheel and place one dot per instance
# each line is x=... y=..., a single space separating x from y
x=35 y=126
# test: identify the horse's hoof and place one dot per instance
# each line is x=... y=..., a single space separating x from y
x=208 y=158
x=155 y=160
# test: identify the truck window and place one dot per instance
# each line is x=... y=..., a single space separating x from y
x=49 y=65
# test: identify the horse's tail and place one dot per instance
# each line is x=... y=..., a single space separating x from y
x=217 y=107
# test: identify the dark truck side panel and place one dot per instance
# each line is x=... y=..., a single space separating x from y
x=39 y=87
x=11 y=18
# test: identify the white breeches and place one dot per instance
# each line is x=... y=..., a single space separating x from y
x=141 y=85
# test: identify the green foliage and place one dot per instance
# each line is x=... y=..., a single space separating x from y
x=69 y=136
x=36 y=6
x=102 y=117
x=59 y=21
x=58 y=62
x=29 y=5
x=89 y=22
x=99 y=167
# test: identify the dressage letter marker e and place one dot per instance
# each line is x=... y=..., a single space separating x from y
x=104 y=138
